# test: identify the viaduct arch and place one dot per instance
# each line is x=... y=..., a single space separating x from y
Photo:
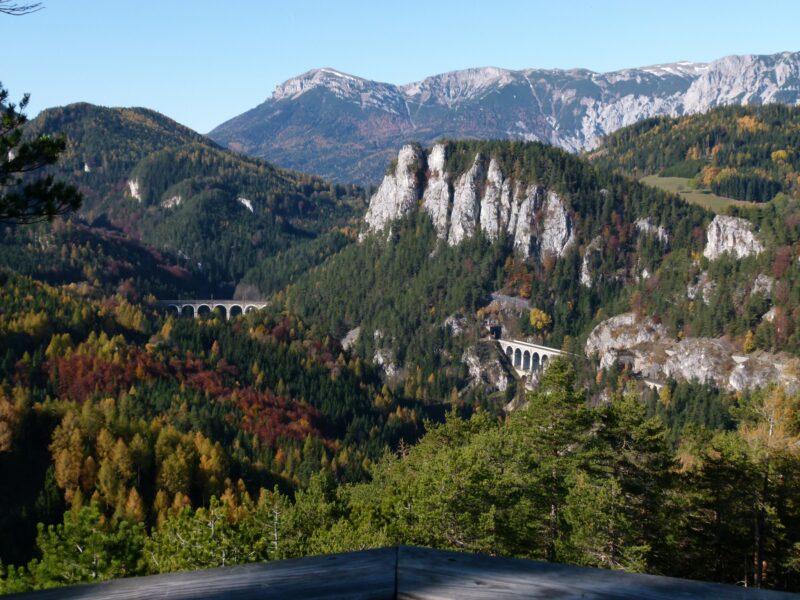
x=527 y=357
x=228 y=309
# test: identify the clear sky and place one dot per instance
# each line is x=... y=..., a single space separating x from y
x=202 y=62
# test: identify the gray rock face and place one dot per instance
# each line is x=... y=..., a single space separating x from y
x=652 y=354
x=349 y=340
x=436 y=199
x=538 y=220
x=731 y=235
x=486 y=367
x=398 y=192
x=133 y=187
x=761 y=369
x=595 y=247
x=466 y=204
x=520 y=224
x=762 y=285
x=572 y=109
x=702 y=359
x=648 y=226
x=702 y=288
x=622 y=333
x=385 y=358
x=496 y=204
x=556 y=227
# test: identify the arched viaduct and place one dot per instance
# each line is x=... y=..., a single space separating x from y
x=527 y=357
x=202 y=308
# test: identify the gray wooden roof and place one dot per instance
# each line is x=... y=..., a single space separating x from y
x=402 y=572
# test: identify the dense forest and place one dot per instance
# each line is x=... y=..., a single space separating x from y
x=743 y=152
x=555 y=480
x=216 y=214
x=105 y=401
x=132 y=442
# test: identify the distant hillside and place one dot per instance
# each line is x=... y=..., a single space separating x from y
x=450 y=225
x=455 y=230
x=347 y=128
x=217 y=212
x=104 y=144
x=747 y=153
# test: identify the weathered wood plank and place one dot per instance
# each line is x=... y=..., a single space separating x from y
x=366 y=575
x=405 y=572
x=424 y=574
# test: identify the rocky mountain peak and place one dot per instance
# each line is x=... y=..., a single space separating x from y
x=340 y=84
x=572 y=109
x=450 y=88
x=682 y=68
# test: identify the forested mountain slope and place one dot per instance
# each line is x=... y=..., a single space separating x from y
x=747 y=153
x=106 y=400
x=216 y=213
x=451 y=225
x=142 y=443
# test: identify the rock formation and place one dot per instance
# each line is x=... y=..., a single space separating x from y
x=397 y=194
x=537 y=220
x=731 y=235
x=652 y=354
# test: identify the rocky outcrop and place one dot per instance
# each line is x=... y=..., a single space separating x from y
x=556 y=233
x=385 y=359
x=398 y=192
x=350 y=339
x=702 y=288
x=647 y=226
x=593 y=249
x=520 y=223
x=496 y=204
x=622 y=334
x=761 y=369
x=248 y=204
x=704 y=360
x=456 y=324
x=486 y=367
x=133 y=187
x=762 y=285
x=436 y=199
x=172 y=202
x=652 y=354
x=482 y=199
x=466 y=204
x=731 y=235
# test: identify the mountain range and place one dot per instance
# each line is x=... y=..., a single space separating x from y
x=347 y=128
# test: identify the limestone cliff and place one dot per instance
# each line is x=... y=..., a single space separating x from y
x=731 y=235
x=651 y=353
x=436 y=199
x=398 y=192
x=482 y=199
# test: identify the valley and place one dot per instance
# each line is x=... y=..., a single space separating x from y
x=568 y=339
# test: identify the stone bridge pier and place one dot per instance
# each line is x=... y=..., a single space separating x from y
x=202 y=308
x=527 y=357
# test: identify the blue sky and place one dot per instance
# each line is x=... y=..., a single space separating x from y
x=202 y=62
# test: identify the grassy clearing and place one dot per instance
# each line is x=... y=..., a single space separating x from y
x=706 y=199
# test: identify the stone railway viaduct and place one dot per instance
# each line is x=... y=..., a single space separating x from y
x=527 y=357
x=201 y=308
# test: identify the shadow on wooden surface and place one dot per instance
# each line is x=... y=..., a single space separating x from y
x=403 y=572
